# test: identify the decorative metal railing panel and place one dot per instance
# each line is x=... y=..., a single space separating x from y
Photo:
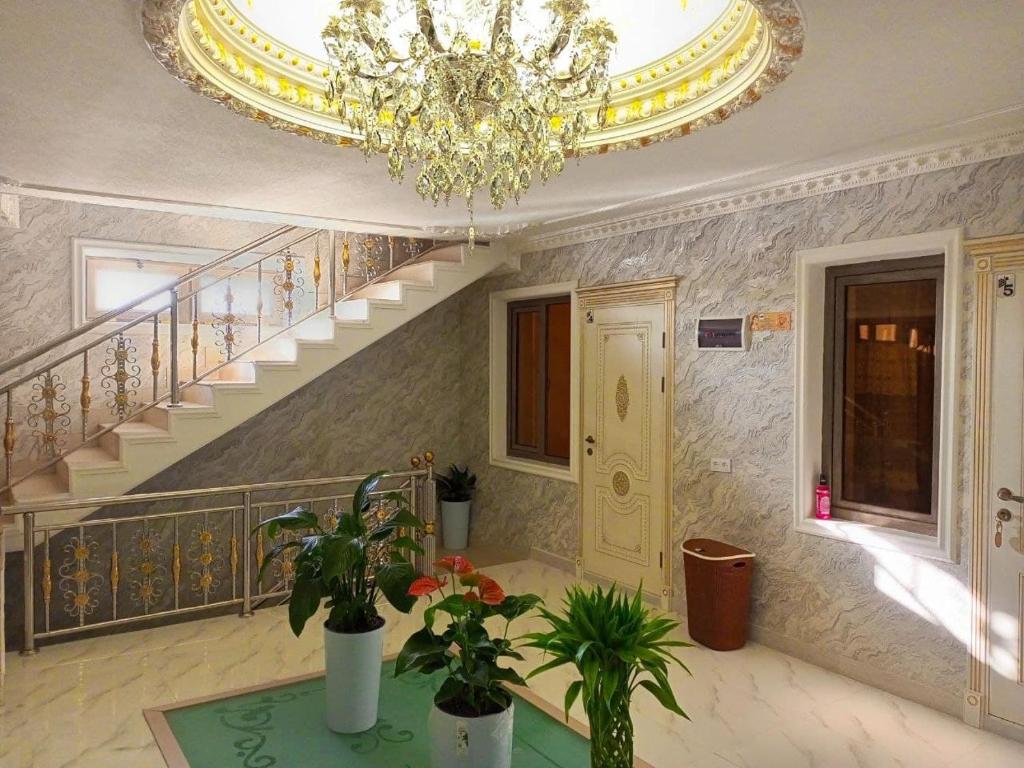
x=220 y=308
x=154 y=563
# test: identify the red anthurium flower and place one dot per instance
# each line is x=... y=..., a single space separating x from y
x=471 y=597
x=491 y=592
x=455 y=564
x=425 y=585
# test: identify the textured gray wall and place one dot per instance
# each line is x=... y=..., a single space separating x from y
x=427 y=386
x=812 y=595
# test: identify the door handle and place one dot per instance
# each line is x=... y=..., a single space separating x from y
x=1005 y=494
x=590 y=439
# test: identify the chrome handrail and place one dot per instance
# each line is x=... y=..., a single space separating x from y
x=113 y=314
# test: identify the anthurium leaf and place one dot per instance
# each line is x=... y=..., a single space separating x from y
x=421 y=647
x=304 y=602
x=394 y=580
x=453 y=604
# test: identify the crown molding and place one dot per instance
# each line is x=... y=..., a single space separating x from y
x=850 y=176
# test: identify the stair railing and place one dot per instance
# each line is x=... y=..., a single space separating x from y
x=153 y=556
x=38 y=401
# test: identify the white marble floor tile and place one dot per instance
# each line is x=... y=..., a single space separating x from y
x=79 y=705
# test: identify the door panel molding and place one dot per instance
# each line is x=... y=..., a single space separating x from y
x=620 y=498
x=991 y=255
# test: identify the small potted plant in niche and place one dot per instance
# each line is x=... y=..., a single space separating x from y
x=471 y=721
x=350 y=567
x=617 y=646
x=456 y=491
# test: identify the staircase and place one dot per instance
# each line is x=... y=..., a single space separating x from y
x=120 y=455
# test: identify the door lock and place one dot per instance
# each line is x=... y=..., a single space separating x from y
x=1004 y=515
x=1005 y=494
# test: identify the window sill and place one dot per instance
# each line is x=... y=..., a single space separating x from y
x=878 y=537
x=552 y=471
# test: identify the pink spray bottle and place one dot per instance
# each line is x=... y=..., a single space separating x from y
x=823 y=499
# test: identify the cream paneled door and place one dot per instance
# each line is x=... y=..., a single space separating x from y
x=1006 y=542
x=626 y=422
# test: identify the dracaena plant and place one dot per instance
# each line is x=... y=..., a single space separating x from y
x=457 y=485
x=474 y=686
x=352 y=565
x=618 y=646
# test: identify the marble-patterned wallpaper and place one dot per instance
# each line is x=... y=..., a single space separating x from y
x=811 y=595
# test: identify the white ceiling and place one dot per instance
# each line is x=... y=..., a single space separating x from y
x=85 y=106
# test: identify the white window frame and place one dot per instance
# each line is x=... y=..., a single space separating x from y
x=810 y=346
x=498 y=405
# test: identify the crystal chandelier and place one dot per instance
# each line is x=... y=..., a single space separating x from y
x=487 y=96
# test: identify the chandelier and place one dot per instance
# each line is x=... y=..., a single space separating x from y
x=487 y=96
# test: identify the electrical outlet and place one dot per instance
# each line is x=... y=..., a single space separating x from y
x=721 y=465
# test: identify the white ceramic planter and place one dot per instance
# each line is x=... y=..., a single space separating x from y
x=353 y=664
x=455 y=524
x=471 y=742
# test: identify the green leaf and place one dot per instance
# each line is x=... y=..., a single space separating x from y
x=571 y=694
x=297 y=520
x=408 y=544
x=664 y=696
x=394 y=580
x=420 y=648
x=362 y=497
x=304 y=602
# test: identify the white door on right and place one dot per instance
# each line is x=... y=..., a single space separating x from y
x=1006 y=542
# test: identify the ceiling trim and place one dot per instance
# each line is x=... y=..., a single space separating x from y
x=10 y=188
x=860 y=174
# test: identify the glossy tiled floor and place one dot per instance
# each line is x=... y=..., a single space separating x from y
x=79 y=704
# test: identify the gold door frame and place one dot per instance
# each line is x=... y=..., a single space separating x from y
x=658 y=290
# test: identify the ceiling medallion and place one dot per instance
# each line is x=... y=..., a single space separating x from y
x=677 y=67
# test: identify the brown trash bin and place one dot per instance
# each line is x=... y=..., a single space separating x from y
x=717 y=592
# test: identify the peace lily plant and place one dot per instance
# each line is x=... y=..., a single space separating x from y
x=471 y=721
x=348 y=569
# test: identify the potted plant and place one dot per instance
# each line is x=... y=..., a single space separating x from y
x=456 y=491
x=617 y=646
x=471 y=720
x=350 y=567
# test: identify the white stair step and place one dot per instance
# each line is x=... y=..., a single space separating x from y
x=46 y=486
x=353 y=309
x=132 y=431
x=422 y=272
x=88 y=459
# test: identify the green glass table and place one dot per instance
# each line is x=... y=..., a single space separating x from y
x=282 y=726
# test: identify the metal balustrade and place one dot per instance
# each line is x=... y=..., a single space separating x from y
x=183 y=552
x=50 y=411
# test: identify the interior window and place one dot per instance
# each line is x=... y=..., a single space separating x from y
x=113 y=283
x=882 y=328
x=539 y=379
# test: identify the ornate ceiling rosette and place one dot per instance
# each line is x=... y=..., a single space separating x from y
x=681 y=65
